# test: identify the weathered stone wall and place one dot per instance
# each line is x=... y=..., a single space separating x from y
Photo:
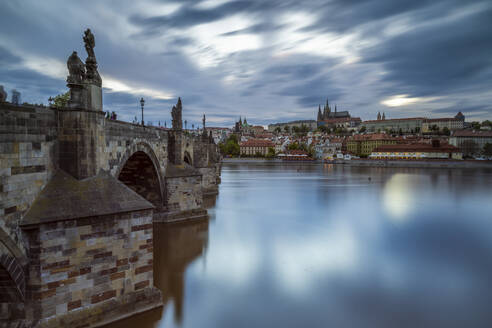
x=81 y=139
x=78 y=265
x=210 y=183
x=28 y=159
x=184 y=192
x=184 y=199
x=200 y=154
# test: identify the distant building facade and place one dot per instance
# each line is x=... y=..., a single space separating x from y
x=253 y=147
x=257 y=129
x=405 y=125
x=453 y=123
x=470 y=142
x=414 y=124
x=417 y=151
x=310 y=124
x=364 y=144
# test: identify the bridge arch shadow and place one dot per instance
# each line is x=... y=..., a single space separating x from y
x=140 y=171
x=187 y=158
x=12 y=271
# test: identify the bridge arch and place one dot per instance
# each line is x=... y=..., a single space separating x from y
x=12 y=270
x=140 y=171
x=187 y=158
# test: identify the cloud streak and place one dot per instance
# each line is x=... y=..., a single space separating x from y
x=266 y=60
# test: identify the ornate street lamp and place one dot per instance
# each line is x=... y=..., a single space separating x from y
x=142 y=102
x=185 y=124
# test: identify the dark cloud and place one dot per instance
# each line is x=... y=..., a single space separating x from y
x=7 y=58
x=441 y=51
x=341 y=15
x=313 y=92
x=27 y=81
x=189 y=16
x=439 y=58
x=119 y=98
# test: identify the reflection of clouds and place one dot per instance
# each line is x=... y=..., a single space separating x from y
x=398 y=199
x=232 y=262
x=326 y=252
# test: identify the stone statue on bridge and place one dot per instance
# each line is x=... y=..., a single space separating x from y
x=176 y=113
x=91 y=63
x=76 y=69
x=204 y=133
x=90 y=43
x=3 y=94
x=83 y=80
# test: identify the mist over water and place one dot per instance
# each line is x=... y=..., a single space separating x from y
x=330 y=246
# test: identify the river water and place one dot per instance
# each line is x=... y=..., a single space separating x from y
x=330 y=246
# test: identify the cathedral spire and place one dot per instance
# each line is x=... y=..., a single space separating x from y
x=384 y=116
x=379 y=116
x=320 y=117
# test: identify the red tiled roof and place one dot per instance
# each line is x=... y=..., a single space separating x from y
x=257 y=143
x=472 y=133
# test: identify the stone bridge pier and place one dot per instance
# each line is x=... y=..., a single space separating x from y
x=79 y=198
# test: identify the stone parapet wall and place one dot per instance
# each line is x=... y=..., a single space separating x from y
x=28 y=159
x=81 y=264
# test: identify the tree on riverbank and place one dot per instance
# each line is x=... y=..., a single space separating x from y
x=230 y=146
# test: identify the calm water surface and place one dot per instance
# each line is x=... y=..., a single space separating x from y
x=330 y=246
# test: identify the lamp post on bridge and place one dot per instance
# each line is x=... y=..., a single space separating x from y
x=142 y=102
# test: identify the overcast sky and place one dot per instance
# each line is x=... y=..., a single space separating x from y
x=268 y=60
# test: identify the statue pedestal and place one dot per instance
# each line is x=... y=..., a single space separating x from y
x=94 y=97
x=78 y=96
x=85 y=96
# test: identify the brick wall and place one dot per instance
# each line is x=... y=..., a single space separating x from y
x=79 y=264
x=28 y=159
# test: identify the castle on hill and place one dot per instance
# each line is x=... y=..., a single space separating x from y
x=328 y=114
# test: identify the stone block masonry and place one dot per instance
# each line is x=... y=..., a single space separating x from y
x=78 y=266
x=28 y=158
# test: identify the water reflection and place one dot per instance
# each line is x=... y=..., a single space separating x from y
x=324 y=245
x=176 y=246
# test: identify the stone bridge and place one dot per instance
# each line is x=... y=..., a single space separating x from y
x=79 y=196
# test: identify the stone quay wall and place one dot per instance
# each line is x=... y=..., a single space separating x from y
x=28 y=160
x=79 y=265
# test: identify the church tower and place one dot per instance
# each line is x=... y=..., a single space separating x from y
x=379 y=116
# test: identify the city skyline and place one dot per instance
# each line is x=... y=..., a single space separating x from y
x=269 y=61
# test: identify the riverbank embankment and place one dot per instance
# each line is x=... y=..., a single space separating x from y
x=463 y=164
